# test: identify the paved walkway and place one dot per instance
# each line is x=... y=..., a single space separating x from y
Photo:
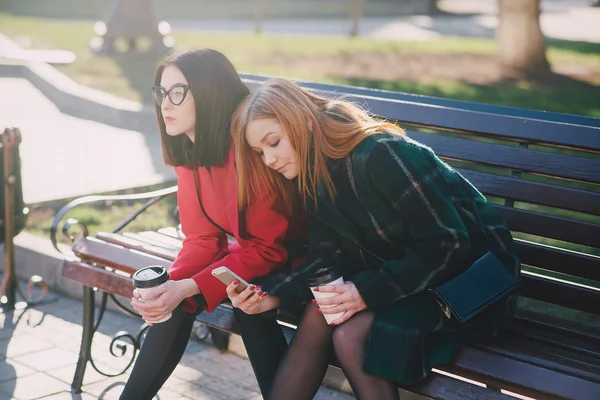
x=560 y=19
x=39 y=348
x=64 y=156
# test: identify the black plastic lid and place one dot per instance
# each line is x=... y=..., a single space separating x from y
x=144 y=283
x=323 y=276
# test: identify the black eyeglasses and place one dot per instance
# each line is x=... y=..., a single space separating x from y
x=176 y=94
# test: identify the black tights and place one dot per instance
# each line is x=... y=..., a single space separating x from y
x=304 y=366
x=165 y=344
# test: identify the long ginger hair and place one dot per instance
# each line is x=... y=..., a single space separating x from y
x=337 y=127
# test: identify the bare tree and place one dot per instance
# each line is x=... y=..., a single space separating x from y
x=520 y=39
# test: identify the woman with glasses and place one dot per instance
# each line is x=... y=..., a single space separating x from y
x=196 y=93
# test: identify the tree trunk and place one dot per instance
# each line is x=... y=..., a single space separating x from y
x=520 y=39
x=357 y=8
x=433 y=7
x=259 y=17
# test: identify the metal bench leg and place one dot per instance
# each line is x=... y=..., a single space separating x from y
x=86 y=338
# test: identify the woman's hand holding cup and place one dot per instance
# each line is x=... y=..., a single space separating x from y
x=343 y=299
x=155 y=297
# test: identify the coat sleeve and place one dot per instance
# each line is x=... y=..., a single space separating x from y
x=411 y=178
x=262 y=250
x=203 y=243
x=292 y=287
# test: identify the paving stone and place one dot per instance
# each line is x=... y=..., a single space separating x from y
x=47 y=359
x=66 y=395
x=108 y=389
x=32 y=386
x=19 y=345
x=187 y=373
x=176 y=384
x=165 y=394
x=10 y=369
x=65 y=374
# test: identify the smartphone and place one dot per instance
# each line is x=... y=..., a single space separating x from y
x=227 y=276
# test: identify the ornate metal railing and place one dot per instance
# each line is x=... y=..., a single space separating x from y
x=116 y=347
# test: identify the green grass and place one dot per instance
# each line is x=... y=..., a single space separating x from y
x=130 y=76
x=104 y=217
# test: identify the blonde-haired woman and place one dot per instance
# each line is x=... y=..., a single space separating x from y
x=389 y=215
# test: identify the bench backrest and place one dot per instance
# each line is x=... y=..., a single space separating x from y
x=540 y=169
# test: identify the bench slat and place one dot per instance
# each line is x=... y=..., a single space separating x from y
x=117 y=257
x=550 y=226
x=98 y=277
x=535 y=192
x=558 y=341
x=559 y=260
x=521 y=377
x=524 y=160
x=156 y=237
x=545 y=356
x=438 y=386
x=585 y=137
x=152 y=242
x=172 y=232
x=132 y=243
x=584 y=333
x=564 y=294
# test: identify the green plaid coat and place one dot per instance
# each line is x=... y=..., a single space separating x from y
x=408 y=207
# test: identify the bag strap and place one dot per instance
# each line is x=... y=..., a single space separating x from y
x=202 y=206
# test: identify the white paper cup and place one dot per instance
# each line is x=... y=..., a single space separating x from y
x=321 y=295
x=148 y=278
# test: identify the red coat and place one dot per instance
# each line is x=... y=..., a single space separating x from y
x=260 y=232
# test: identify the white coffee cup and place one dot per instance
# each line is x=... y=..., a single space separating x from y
x=148 y=278
x=326 y=276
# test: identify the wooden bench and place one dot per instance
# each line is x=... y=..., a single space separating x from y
x=542 y=172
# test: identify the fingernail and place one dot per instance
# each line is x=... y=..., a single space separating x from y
x=252 y=288
x=236 y=282
x=319 y=311
x=265 y=294
x=316 y=289
x=314 y=301
x=331 y=324
x=260 y=292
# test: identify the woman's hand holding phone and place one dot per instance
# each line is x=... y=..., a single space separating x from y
x=251 y=300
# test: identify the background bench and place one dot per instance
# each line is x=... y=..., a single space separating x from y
x=542 y=172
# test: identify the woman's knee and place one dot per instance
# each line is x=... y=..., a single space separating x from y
x=313 y=325
x=351 y=335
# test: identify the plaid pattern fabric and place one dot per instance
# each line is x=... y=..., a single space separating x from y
x=408 y=207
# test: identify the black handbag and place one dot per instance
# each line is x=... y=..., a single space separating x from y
x=484 y=283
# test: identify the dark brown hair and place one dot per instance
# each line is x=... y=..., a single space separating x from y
x=217 y=90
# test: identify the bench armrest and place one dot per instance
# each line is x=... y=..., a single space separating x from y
x=152 y=197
